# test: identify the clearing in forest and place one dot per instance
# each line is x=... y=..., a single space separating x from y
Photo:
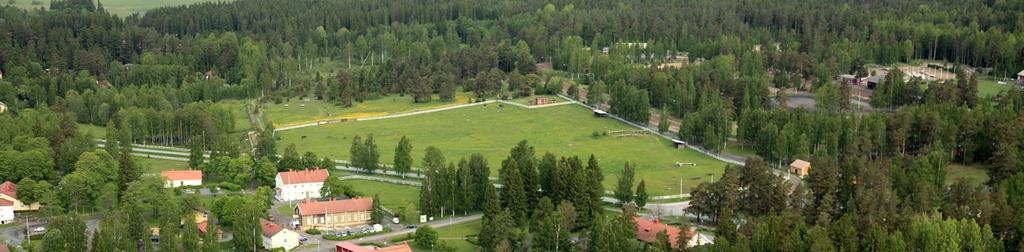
x=493 y=130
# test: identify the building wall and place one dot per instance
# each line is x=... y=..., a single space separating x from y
x=6 y=214
x=18 y=205
x=335 y=221
x=177 y=183
x=297 y=191
x=286 y=239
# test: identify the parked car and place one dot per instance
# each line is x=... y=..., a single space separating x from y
x=410 y=226
x=39 y=229
x=303 y=239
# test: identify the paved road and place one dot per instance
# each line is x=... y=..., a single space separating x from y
x=15 y=235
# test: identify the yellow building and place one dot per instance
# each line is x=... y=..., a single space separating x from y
x=9 y=192
x=334 y=214
x=800 y=168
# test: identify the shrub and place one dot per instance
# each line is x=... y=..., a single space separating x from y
x=313 y=231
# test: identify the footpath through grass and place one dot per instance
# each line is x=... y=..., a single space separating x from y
x=297 y=111
x=493 y=130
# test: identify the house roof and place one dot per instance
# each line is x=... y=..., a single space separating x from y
x=202 y=227
x=335 y=206
x=1021 y=73
x=4 y=248
x=875 y=79
x=269 y=228
x=348 y=246
x=647 y=231
x=799 y=163
x=183 y=175
x=303 y=176
x=9 y=188
x=4 y=203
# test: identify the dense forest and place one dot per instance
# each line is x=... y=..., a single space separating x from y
x=878 y=181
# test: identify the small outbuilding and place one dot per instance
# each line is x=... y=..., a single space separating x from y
x=679 y=144
x=541 y=101
x=1020 y=77
x=600 y=113
x=800 y=167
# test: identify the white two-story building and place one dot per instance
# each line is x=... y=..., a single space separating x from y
x=301 y=184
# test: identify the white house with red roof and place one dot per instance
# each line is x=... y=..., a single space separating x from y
x=352 y=247
x=300 y=184
x=275 y=236
x=334 y=214
x=9 y=192
x=647 y=231
x=182 y=178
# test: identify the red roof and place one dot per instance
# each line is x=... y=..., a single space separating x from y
x=4 y=202
x=183 y=175
x=202 y=227
x=352 y=247
x=269 y=228
x=303 y=176
x=9 y=188
x=647 y=231
x=335 y=206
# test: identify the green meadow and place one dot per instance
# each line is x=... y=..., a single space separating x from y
x=493 y=130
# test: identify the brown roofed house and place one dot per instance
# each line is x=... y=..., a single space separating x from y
x=334 y=214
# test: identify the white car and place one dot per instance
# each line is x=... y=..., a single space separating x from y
x=39 y=229
x=395 y=220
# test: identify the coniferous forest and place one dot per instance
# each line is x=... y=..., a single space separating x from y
x=879 y=180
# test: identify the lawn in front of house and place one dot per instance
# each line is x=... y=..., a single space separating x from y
x=155 y=166
x=492 y=130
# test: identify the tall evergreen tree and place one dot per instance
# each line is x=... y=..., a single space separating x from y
x=403 y=156
x=641 y=194
x=371 y=155
x=512 y=193
x=624 y=189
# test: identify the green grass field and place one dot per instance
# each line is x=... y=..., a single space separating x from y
x=989 y=87
x=455 y=235
x=975 y=173
x=392 y=196
x=297 y=112
x=122 y=8
x=241 y=116
x=492 y=131
x=155 y=166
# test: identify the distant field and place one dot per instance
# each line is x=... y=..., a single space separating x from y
x=298 y=112
x=975 y=173
x=455 y=235
x=122 y=8
x=492 y=131
x=989 y=87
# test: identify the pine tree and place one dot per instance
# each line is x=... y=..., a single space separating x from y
x=662 y=243
x=480 y=179
x=371 y=155
x=403 y=156
x=595 y=178
x=190 y=233
x=170 y=221
x=641 y=194
x=357 y=153
x=548 y=169
x=624 y=189
x=195 y=157
x=512 y=193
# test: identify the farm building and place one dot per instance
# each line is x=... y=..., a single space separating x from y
x=873 y=81
x=679 y=144
x=334 y=214
x=600 y=113
x=541 y=101
x=182 y=178
x=297 y=185
x=800 y=167
x=647 y=231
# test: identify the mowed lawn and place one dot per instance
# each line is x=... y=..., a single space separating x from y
x=492 y=131
x=455 y=235
x=122 y=8
x=392 y=196
x=298 y=111
x=155 y=166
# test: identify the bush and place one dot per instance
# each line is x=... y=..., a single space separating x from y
x=426 y=236
x=313 y=231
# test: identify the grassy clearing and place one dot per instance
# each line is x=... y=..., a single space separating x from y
x=989 y=87
x=392 y=196
x=122 y=8
x=285 y=210
x=95 y=131
x=455 y=235
x=492 y=131
x=241 y=116
x=155 y=166
x=295 y=111
x=975 y=173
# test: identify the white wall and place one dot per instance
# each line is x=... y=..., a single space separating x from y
x=177 y=183
x=6 y=214
x=286 y=239
x=297 y=191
